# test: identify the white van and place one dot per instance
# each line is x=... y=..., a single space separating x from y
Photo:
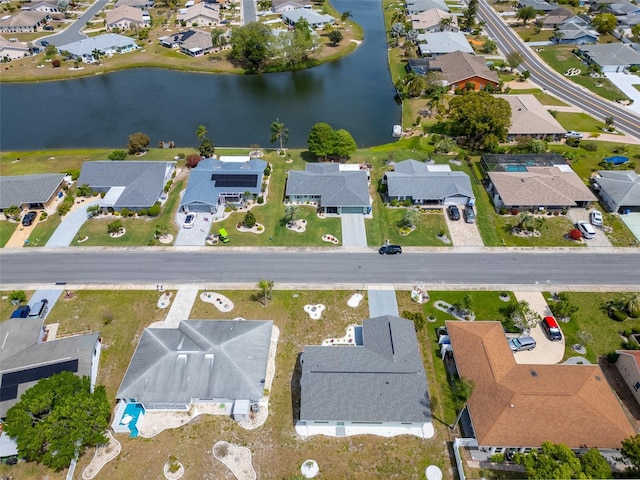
x=40 y=309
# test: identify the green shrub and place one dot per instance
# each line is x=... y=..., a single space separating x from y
x=395 y=202
x=497 y=458
x=267 y=171
x=117 y=155
x=43 y=215
x=151 y=243
x=18 y=296
x=63 y=209
x=631 y=345
x=407 y=203
x=590 y=147
x=573 y=142
x=143 y=212
x=503 y=211
x=260 y=200
x=75 y=174
x=612 y=357
x=125 y=212
x=617 y=315
x=155 y=210
x=416 y=317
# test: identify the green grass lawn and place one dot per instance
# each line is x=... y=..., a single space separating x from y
x=580 y=122
x=528 y=33
x=543 y=98
x=560 y=58
x=6 y=230
x=384 y=227
x=43 y=231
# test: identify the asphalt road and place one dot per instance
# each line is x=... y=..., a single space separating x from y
x=72 y=32
x=508 y=41
x=153 y=266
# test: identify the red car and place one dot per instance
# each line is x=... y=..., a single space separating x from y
x=552 y=329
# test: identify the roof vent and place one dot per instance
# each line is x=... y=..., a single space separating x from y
x=533 y=373
x=598 y=379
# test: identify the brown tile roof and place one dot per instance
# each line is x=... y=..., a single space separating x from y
x=530 y=117
x=557 y=185
x=431 y=18
x=458 y=66
x=520 y=405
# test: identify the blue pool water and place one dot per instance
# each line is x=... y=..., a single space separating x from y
x=515 y=168
x=135 y=410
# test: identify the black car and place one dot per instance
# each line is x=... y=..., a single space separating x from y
x=390 y=249
x=44 y=43
x=21 y=312
x=28 y=219
x=453 y=212
x=47 y=27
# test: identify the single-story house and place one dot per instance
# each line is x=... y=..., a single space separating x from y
x=27 y=356
x=623 y=7
x=611 y=57
x=12 y=50
x=619 y=190
x=201 y=362
x=627 y=364
x=315 y=19
x=417 y=6
x=529 y=118
x=458 y=70
x=538 y=5
x=375 y=385
x=570 y=33
x=569 y=404
x=49 y=7
x=202 y=14
x=556 y=17
x=133 y=185
x=192 y=42
x=627 y=21
x=281 y=6
x=141 y=4
x=439 y=43
x=107 y=44
x=428 y=184
x=214 y=183
x=434 y=20
x=536 y=188
x=125 y=17
x=30 y=192
x=24 y=21
x=334 y=188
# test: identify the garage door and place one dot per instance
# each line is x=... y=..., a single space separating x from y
x=351 y=209
x=456 y=200
x=199 y=207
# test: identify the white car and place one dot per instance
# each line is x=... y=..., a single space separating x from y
x=189 y=221
x=573 y=134
x=596 y=218
x=586 y=230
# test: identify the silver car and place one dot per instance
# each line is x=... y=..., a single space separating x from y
x=520 y=344
x=586 y=230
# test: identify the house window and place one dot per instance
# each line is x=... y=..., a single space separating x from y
x=636 y=387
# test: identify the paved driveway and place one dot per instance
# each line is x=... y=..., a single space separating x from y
x=626 y=82
x=582 y=215
x=463 y=234
x=195 y=236
x=382 y=300
x=70 y=226
x=546 y=351
x=354 y=233
x=632 y=221
x=72 y=33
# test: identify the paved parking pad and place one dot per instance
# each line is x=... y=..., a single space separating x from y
x=463 y=234
x=195 y=236
x=582 y=215
x=382 y=300
x=354 y=233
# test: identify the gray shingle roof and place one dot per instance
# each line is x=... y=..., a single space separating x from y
x=612 y=54
x=20 y=351
x=443 y=42
x=335 y=187
x=201 y=359
x=412 y=179
x=19 y=189
x=143 y=181
x=202 y=189
x=623 y=187
x=105 y=42
x=381 y=381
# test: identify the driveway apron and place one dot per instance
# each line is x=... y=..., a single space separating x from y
x=70 y=226
x=181 y=307
x=382 y=301
x=354 y=233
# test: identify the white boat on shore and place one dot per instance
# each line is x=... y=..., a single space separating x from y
x=397 y=131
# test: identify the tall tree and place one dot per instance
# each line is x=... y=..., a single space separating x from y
x=604 y=22
x=137 y=142
x=478 y=115
x=514 y=59
x=525 y=14
x=462 y=390
x=445 y=23
x=321 y=140
x=335 y=37
x=250 y=45
x=559 y=461
x=343 y=144
x=218 y=37
x=469 y=14
x=279 y=133
x=291 y=213
x=201 y=132
x=265 y=286
x=58 y=417
x=631 y=451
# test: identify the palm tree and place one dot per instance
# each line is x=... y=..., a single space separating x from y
x=265 y=287
x=632 y=305
x=445 y=22
x=279 y=133
x=291 y=213
x=96 y=55
x=462 y=390
x=201 y=132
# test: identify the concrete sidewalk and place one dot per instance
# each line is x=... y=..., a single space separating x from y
x=181 y=307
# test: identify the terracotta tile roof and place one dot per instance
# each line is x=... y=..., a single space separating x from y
x=458 y=66
x=530 y=117
x=557 y=185
x=569 y=404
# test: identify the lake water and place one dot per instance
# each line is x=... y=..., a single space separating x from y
x=355 y=93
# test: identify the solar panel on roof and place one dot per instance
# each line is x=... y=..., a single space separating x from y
x=237 y=180
x=11 y=381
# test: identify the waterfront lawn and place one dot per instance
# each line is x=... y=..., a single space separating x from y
x=580 y=122
x=6 y=230
x=139 y=230
x=43 y=230
x=561 y=59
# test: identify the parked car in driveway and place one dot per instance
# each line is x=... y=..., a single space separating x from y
x=44 y=43
x=551 y=328
x=189 y=221
x=596 y=218
x=21 y=312
x=521 y=344
x=390 y=250
x=28 y=218
x=453 y=212
x=469 y=215
x=40 y=309
x=573 y=134
x=586 y=229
